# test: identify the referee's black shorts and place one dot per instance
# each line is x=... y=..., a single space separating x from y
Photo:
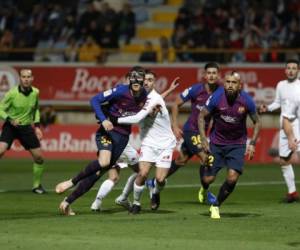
x=24 y=133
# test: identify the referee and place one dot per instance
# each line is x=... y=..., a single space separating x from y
x=19 y=108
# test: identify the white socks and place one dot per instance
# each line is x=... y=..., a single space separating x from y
x=137 y=193
x=289 y=177
x=128 y=186
x=105 y=188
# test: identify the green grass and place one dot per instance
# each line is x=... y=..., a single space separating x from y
x=253 y=217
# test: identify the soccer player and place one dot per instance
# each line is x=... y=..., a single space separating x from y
x=20 y=110
x=129 y=155
x=197 y=94
x=153 y=151
x=228 y=107
x=287 y=91
x=111 y=140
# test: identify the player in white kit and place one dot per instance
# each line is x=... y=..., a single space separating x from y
x=129 y=157
x=158 y=141
x=287 y=91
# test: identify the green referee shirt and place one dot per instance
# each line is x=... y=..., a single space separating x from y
x=18 y=106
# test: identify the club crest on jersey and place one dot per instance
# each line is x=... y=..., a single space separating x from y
x=241 y=110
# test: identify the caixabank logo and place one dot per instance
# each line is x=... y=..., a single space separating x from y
x=8 y=79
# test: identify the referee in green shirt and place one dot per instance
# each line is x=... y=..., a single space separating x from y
x=19 y=108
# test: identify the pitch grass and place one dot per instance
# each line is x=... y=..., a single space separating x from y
x=254 y=217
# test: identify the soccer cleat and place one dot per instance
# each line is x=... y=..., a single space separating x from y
x=155 y=201
x=211 y=198
x=214 y=212
x=96 y=206
x=63 y=186
x=39 y=190
x=65 y=208
x=135 y=209
x=292 y=197
x=202 y=195
x=123 y=203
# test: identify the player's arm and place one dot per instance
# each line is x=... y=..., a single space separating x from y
x=5 y=104
x=174 y=114
x=250 y=150
x=275 y=105
x=172 y=87
x=36 y=119
x=146 y=110
x=201 y=124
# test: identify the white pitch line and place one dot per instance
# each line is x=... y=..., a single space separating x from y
x=255 y=183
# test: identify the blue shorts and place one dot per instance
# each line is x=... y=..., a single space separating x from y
x=229 y=156
x=191 y=143
x=111 y=141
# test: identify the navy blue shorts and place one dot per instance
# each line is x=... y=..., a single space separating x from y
x=111 y=141
x=191 y=143
x=229 y=156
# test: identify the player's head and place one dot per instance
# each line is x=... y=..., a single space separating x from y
x=292 y=69
x=136 y=78
x=26 y=78
x=211 y=75
x=232 y=86
x=150 y=78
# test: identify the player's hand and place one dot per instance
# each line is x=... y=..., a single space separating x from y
x=293 y=143
x=15 y=123
x=107 y=125
x=177 y=132
x=205 y=145
x=38 y=133
x=250 y=150
x=174 y=84
x=262 y=109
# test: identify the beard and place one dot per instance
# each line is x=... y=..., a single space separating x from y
x=231 y=96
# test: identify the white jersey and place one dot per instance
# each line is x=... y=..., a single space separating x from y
x=286 y=92
x=155 y=131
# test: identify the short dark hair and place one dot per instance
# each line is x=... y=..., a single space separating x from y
x=212 y=65
x=292 y=61
x=149 y=71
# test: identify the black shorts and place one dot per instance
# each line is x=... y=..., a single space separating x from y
x=25 y=134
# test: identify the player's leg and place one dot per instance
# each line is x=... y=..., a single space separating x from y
x=30 y=142
x=286 y=166
x=7 y=137
x=104 y=145
x=163 y=163
x=146 y=159
x=118 y=144
x=106 y=187
x=131 y=156
x=38 y=169
x=234 y=160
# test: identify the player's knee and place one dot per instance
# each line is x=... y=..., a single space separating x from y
x=104 y=162
x=3 y=149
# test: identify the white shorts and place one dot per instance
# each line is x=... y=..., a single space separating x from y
x=130 y=156
x=284 y=150
x=162 y=158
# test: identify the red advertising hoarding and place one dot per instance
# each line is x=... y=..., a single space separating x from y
x=71 y=85
x=78 y=142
